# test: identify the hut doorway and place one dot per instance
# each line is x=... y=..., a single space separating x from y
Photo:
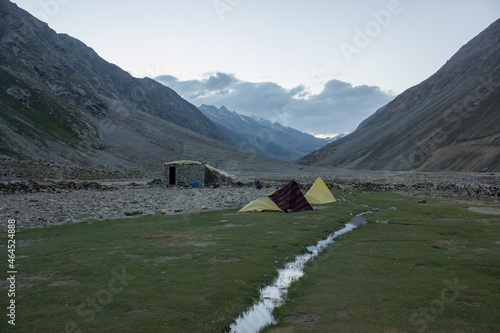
x=171 y=172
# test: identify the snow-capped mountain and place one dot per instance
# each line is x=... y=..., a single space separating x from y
x=335 y=138
x=262 y=136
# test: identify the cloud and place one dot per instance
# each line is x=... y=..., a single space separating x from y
x=338 y=108
x=220 y=81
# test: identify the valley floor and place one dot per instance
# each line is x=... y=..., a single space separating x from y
x=124 y=200
x=413 y=267
x=52 y=204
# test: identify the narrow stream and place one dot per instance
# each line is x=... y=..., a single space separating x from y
x=260 y=314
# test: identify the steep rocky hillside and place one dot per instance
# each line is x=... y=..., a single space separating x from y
x=60 y=101
x=451 y=121
x=263 y=136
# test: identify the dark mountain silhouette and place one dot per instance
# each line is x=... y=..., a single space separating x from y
x=60 y=101
x=451 y=121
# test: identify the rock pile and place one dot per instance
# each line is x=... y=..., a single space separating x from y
x=478 y=191
x=442 y=189
x=31 y=186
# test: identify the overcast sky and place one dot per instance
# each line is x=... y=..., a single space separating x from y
x=321 y=66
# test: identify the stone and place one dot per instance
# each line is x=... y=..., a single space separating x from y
x=133 y=213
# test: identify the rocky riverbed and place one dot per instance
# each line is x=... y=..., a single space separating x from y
x=42 y=203
x=54 y=205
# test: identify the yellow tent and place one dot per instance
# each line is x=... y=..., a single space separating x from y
x=288 y=198
x=319 y=193
x=261 y=204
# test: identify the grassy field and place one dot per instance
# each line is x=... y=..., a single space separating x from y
x=434 y=267
x=184 y=273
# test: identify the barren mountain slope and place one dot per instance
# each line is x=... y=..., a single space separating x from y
x=60 y=101
x=263 y=136
x=451 y=121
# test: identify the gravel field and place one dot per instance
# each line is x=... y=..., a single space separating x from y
x=51 y=204
x=42 y=209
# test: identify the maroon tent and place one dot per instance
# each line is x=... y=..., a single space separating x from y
x=289 y=198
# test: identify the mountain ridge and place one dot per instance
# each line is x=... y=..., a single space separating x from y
x=60 y=101
x=67 y=56
x=447 y=122
x=262 y=136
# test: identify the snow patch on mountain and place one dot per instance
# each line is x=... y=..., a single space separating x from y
x=262 y=136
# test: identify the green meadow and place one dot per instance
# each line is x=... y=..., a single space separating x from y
x=434 y=267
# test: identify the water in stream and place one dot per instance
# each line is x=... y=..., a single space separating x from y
x=260 y=314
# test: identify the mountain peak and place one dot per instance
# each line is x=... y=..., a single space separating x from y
x=262 y=136
x=447 y=122
x=61 y=101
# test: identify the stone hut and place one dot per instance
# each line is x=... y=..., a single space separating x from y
x=193 y=173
